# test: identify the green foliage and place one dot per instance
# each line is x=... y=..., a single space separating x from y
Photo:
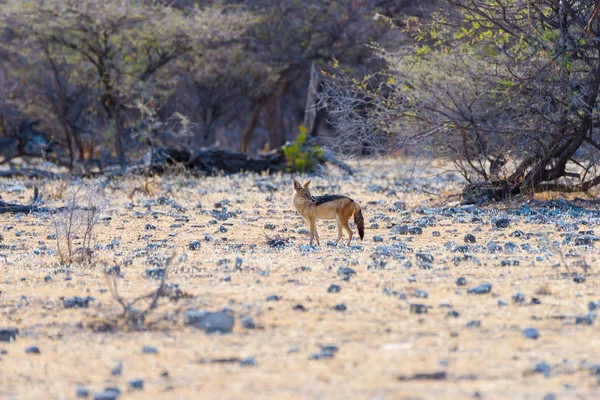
x=301 y=158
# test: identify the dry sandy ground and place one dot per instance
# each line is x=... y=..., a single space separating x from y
x=379 y=339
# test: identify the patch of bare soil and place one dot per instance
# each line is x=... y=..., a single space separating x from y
x=439 y=301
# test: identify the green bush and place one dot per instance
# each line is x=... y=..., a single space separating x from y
x=301 y=158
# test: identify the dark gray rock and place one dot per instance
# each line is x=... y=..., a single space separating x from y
x=531 y=333
x=501 y=222
x=482 y=288
x=461 y=281
x=340 y=307
x=248 y=322
x=326 y=352
x=542 y=368
x=424 y=258
x=273 y=297
x=8 y=334
x=108 y=394
x=334 y=289
x=248 y=362
x=155 y=273
x=32 y=350
x=346 y=271
x=77 y=302
x=136 y=384
x=149 y=350
x=81 y=392
x=194 y=245
x=469 y=238
x=518 y=298
x=418 y=309
x=210 y=322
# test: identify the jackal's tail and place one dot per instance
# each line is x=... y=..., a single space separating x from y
x=359 y=220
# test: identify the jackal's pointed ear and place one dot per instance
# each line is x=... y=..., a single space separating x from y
x=306 y=184
x=297 y=185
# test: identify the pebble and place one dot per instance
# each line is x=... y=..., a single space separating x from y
x=32 y=350
x=209 y=322
x=461 y=281
x=482 y=288
x=531 y=333
x=8 y=334
x=340 y=307
x=469 y=238
x=334 y=289
x=149 y=350
x=136 y=384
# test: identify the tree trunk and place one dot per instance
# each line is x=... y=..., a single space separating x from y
x=310 y=110
x=275 y=121
x=251 y=125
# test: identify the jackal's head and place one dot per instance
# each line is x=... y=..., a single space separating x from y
x=302 y=190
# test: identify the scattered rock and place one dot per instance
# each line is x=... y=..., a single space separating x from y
x=334 y=289
x=136 y=384
x=461 y=281
x=149 y=350
x=195 y=245
x=428 y=376
x=418 y=309
x=542 y=368
x=8 y=334
x=531 y=333
x=210 y=322
x=501 y=222
x=469 y=238
x=273 y=297
x=81 y=392
x=32 y=350
x=108 y=394
x=482 y=288
x=77 y=302
x=340 y=307
x=326 y=352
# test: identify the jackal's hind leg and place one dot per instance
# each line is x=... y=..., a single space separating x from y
x=340 y=231
x=347 y=228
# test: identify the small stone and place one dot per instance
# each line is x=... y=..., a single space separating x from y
x=326 y=352
x=502 y=303
x=108 y=394
x=299 y=307
x=453 y=314
x=8 y=334
x=47 y=278
x=77 y=302
x=118 y=369
x=334 y=289
x=436 y=233
x=501 y=223
x=32 y=350
x=481 y=289
x=531 y=333
x=136 y=384
x=155 y=273
x=578 y=279
x=340 y=307
x=248 y=362
x=149 y=350
x=461 y=281
x=518 y=298
x=542 y=368
x=473 y=324
x=222 y=229
x=469 y=238
x=273 y=297
x=345 y=271
x=150 y=227
x=377 y=239
x=81 y=392
x=195 y=245
x=248 y=322
x=418 y=309
x=424 y=258
x=210 y=322
x=270 y=226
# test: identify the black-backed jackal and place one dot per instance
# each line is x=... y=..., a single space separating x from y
x=329 y=206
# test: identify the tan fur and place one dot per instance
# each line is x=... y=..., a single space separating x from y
x=341 y=210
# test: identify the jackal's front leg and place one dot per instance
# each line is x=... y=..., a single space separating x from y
x=313 y=232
